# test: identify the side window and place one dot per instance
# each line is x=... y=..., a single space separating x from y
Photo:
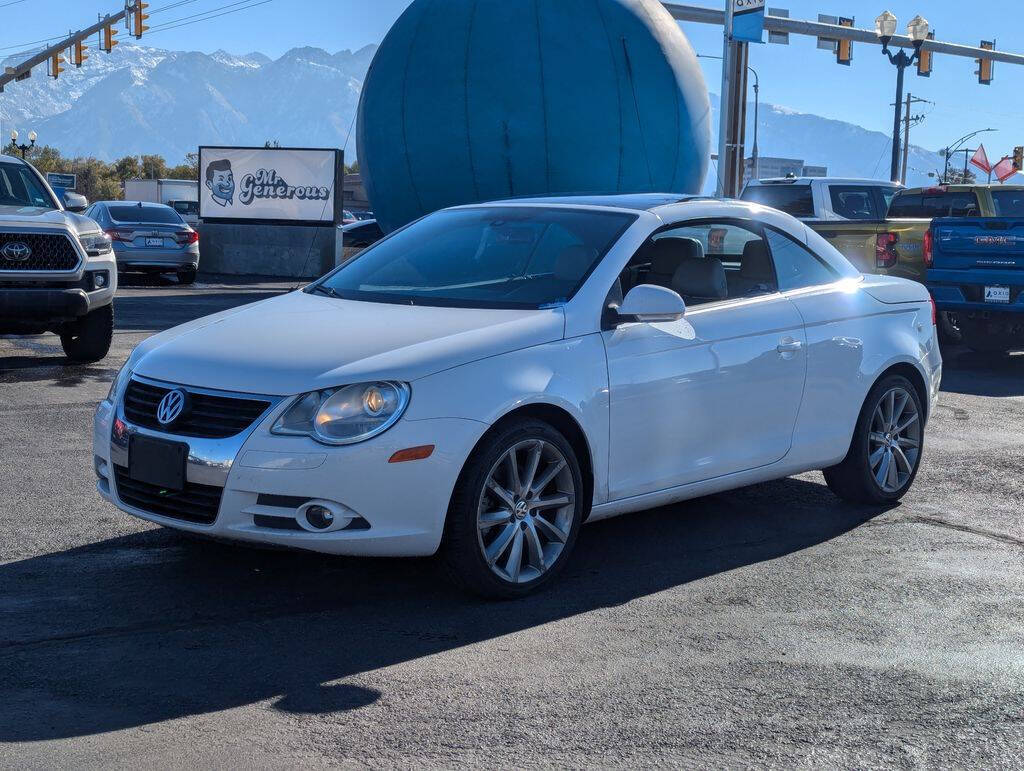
x=704 y=262
x=796 y=266
x=854 y=202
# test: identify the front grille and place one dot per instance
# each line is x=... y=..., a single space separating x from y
x=196 y=503
x=211 y=417
x=50 y=251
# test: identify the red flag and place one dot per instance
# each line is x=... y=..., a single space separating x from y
x=980 y=159
x=1004 y=169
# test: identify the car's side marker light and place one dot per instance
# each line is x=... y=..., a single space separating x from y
x=412 y=453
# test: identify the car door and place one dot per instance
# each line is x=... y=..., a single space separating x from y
x=716 y=392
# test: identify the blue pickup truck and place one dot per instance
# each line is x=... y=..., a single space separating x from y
x=976 y=275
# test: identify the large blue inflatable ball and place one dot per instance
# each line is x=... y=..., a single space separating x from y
x=474 y=100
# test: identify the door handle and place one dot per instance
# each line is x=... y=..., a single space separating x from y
x=789 y=345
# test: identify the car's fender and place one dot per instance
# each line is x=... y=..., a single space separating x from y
x=571 y=375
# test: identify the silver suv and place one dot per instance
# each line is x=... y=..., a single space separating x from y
x=57 y=268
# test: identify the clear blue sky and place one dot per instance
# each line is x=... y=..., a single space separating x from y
x=797 y=76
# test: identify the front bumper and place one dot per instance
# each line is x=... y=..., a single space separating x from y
x=266 y=478
x=39 y=300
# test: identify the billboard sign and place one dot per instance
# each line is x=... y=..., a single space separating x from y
x=279 y=184
x=65 y=181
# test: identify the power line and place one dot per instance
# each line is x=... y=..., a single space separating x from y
x=13 y=2
x=206 y=15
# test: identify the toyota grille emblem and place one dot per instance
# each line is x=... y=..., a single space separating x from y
x=16 y=251
x=171 y=407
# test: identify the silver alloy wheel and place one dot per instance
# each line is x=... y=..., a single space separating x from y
x=525 y=512
x=894 y=441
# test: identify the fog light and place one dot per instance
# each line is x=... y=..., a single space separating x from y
x=319 y=517
x=100 y=280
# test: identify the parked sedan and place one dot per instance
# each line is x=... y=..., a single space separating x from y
x=149 y=238
x=485 y=380
x=358 y=235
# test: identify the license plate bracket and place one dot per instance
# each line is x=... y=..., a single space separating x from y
x=997 y=294
x=152 y=241
x=157 y=462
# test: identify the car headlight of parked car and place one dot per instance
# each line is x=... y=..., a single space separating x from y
x=345 y=415
x=95 y=244
x=122 y=377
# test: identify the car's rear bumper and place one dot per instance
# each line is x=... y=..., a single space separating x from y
x=964 y=291
x=166 y=259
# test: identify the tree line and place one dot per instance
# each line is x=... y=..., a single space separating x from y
x=102 y=181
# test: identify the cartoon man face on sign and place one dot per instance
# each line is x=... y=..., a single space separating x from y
x=221 y=181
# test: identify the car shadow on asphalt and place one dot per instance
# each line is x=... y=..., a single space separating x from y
x=153 y=626
x=982 y=374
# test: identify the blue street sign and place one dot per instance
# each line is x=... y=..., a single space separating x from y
x=748 y=21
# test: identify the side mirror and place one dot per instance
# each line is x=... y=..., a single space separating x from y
x=650 y=303
x=75 y=202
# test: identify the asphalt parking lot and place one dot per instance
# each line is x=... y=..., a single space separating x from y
x=769 y=626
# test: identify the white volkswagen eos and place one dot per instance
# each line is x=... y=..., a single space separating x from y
x=483 y=381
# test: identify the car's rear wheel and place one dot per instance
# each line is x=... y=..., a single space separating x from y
x=187 y=276
x=885 y=452
x=88 y=339
x=516 y=511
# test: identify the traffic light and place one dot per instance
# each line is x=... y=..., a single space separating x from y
x=138 y=22
x=984 y=72
x=78 y=53
x=55 y=65
x=844 y=48
x=109 y=38
x=1018 y=158
x=924 y=60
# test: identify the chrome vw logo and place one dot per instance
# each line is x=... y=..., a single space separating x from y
x=171 y=407
x=16 y=251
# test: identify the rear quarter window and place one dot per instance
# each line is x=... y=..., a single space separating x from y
x=929 y=205
x=795 y=200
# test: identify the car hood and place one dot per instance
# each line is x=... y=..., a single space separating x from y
x=301 y=342
x=39 y=216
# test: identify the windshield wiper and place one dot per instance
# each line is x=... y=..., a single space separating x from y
x=324 y=290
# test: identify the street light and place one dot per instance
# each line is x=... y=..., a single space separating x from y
x=953 y=148
x=917 y=31
x=24 y=148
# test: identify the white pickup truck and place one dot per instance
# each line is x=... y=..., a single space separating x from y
x=824 y=198
x=57 y=269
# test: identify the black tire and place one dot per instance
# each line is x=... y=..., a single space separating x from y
x=187 y=276
x=88 y=339
x=949 y=329
x=853 y=478
x=462 y=549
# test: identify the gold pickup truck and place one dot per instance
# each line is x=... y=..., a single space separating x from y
x=845 y=214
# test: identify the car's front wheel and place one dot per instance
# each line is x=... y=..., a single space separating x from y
x=885 y=452
x=88 y=339
x=515 y=512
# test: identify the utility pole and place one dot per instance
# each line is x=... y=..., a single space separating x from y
x=725 y=101
x=907 y=118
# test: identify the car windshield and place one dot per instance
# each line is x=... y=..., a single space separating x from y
x=792 y=199
x=19 y=187
x=492 y=257
x=161 y=215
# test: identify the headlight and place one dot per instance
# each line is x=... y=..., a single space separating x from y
x=122 y=377
x=345 y=415
x=95 y=244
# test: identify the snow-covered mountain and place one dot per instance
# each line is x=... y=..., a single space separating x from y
x=846 y=149
x=145 y=100
x=141 y=100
